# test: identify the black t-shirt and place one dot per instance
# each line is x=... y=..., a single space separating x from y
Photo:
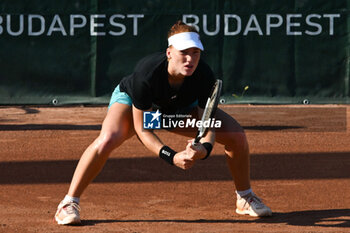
x=148 y=85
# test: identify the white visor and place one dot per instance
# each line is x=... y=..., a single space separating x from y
x=185 y=40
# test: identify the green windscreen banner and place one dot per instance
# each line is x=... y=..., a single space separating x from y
x=76 y=52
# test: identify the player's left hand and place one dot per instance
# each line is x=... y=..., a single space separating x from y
x=197 y=150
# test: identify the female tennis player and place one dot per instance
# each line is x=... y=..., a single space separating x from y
x=176 y=81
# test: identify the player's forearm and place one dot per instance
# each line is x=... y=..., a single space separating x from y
x=154 y=144
x=210 y=137
x=150 y=140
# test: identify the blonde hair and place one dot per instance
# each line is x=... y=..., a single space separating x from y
x=179 y=27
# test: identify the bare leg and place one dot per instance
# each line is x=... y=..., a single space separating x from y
x=116 y=128
x=233 y=137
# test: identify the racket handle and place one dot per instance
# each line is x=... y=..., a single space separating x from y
x=196 y=140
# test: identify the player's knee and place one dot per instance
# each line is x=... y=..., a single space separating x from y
x=238 y=143
x=108 y=142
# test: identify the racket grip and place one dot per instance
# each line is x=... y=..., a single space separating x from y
x=196 y=140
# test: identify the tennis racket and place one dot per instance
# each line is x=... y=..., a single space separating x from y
x=209 y=110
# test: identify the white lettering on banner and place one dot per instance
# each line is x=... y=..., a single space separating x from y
x=13 y=25
x=74 y=25
x=194 y=23
x=21 y=26
x=313 y=24
x=293 y=23
x=217 y=26
x=269 y=23
x=94 y=24
x=53 y=28
x=1 y=29
x=135 y=22
x=249 y=27
x=331 y=21
x=115 y=24
x=238 y=28
x=31 y=19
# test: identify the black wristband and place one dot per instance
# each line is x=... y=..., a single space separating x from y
x=208 y=146
x=167 y=154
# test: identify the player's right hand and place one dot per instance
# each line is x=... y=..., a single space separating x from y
x=196 y=150
x=183 y=160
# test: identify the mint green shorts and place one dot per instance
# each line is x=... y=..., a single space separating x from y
x=123 y=98
x=120 y=97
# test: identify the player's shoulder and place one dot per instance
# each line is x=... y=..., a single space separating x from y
x=150 y=62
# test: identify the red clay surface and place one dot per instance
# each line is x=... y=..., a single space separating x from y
x=300 y=167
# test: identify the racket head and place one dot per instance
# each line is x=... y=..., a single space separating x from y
x=210 y=109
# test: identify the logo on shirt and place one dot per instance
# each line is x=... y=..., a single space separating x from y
x=152 y=120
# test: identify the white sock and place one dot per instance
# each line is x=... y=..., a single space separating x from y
x=71 y=199
x=244 y=192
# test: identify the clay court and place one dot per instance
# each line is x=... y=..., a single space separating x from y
x=300 y=167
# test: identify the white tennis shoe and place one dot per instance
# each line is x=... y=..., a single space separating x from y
x=68 y=213
x=252 y=205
